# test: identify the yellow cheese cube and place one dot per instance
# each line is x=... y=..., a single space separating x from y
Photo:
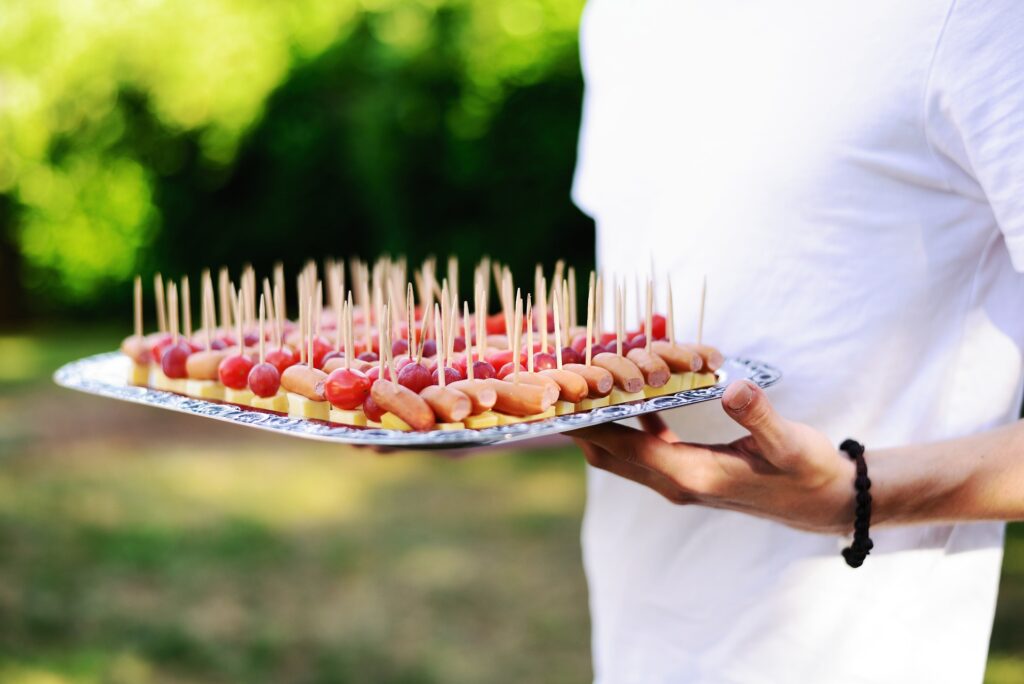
x=685 y=380
x=550 y=413
x=564 y=408
x=674 y=384
x=588 y=404
x=649 y=391
x=373 y=424
x=392 y=422
x=355 y=418
x=704 y=380
x=278 y=403
x=242 y=397
x=162 y=382
x=204 y=389
x=138 y=375
x=482 y=420
x=619 y=397
x=301 y=407
x=451 y=426
x=505 y=419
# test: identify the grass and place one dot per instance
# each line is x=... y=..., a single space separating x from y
x=138 y=547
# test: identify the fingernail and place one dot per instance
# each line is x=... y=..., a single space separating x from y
x=742 y=397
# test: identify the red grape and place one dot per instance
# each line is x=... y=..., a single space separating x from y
x=374 y=373
x=544 y=361
x=499 y=358
x=607 y=337
x=372 y=410
x=414 y=376
x=331 y=355
x=251 y=339
x=368 y=356
x=280 y=359
x=496 y=324
x=483 y=370
x=399 y=347
x=172 y=362
x=459 y=343
x=508 y=369
x=450 y=375
x=403 y=362
x=570 y=355
x=346 y=389
x=659 y=326
x=160 y=347
x=429 y=349
x=234 y=372
x=635 y=342
x=264 y=379
x=321 y=348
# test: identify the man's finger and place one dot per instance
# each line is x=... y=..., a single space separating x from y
x=599 y=458
x=747 y=404
x=654 y=425
x=689 y=466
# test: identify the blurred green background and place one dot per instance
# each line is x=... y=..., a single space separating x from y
x=140 y=135
x=144 y=135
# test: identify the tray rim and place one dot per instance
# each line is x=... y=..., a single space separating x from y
x=94 y=375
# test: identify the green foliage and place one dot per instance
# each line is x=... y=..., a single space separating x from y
x=139 y=135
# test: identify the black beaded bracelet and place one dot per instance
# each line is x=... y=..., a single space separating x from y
x=856 y=552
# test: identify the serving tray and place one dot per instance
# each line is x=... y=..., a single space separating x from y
x=106 y=375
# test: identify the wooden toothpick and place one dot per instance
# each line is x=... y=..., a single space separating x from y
x=263 y=314
x=618 y=319
x=469 y=340
x=542 y=293
x=558 y=333
x=137 y=306
x=453 y=276
x=211 y=313
x=590 y=318
x=649 y=318
x=309 y=332
x=517 y=325
x=565 y=309
x=226 y=294
x=186 y=308
x=172 y=310
x=439 y=333
x=350 y=344
x=529 y=333
x=239 y=303
x=158 y=293
x=481 y=330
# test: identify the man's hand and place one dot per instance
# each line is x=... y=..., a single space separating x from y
x=784 y=471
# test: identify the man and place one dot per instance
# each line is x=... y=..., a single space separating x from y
x=850 y=175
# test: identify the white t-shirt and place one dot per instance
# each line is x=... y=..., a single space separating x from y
x=850 y=176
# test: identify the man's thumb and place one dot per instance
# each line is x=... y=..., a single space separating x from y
x=747 y=404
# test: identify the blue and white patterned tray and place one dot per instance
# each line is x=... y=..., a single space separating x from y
x=106 y=375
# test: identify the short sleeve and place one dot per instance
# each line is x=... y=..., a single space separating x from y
x=975 y=109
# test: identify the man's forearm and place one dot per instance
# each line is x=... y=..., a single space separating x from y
x=979 y=477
